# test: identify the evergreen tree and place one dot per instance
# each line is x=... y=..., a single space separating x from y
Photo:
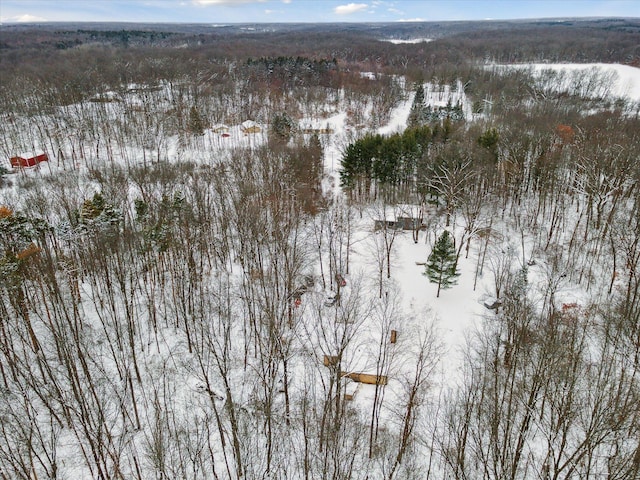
x=388 y=159
x=282 y=127
x=358 y=163
x=441 y=265
x=419 y=98
x=489 y=140
x=417 y=114
x=196 y=124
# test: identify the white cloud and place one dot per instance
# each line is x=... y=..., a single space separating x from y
x=350 y=8
x=411 y=20
x=286 y=1
x=224 y=2
x=26 y=18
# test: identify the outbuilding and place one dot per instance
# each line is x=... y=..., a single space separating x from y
x=23 y=160
x=250 y=126
x=220 y=128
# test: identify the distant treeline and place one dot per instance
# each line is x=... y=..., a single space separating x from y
x=605 y=40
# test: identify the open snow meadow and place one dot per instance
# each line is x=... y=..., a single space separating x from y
x=359 y=263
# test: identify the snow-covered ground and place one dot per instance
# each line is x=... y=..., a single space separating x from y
x=621 y=80
x=399 y=41
x=459 y=311
x=398 y=117
x=455 y=315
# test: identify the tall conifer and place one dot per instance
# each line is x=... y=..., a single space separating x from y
x=441 y=265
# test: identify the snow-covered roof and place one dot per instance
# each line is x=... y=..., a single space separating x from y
x=106 y=97
x=368 y=75
x=32 y=154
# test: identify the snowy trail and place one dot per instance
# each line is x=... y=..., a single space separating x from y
x=341 y=136
x=398 y=117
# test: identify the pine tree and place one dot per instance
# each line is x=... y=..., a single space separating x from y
x=441 y=265
x=417 y=113
x=282 y=127
x=489 y=140
x=196 y=124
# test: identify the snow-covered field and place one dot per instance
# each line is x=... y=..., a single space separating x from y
x=399 y=41
x=618 y=80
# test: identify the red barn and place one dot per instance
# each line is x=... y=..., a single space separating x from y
x=28 y=159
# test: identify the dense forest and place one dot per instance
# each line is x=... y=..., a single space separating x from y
x=212 y=275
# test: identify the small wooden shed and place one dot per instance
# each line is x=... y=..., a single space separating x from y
x=249 y=126
x=220 y=129
x=386 y=225
x=23 y=160
x=366 y=378
x=409 y=223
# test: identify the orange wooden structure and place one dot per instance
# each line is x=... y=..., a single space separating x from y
x=28 y=160
x=366 y=378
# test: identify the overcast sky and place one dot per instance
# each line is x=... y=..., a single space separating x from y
x=252 y=11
